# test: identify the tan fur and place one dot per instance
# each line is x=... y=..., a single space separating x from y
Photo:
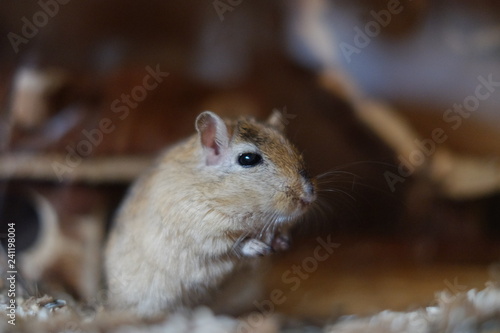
x=195 y=217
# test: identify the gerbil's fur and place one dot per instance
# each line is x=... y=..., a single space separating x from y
x=202 y=212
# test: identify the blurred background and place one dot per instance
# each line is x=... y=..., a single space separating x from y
x=91 y=91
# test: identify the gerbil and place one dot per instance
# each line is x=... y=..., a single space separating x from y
x=208 y=205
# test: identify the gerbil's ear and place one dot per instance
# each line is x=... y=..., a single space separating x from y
x=214 y=136
x=276 y=120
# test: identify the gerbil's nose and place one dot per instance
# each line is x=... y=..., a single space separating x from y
x=309 y=194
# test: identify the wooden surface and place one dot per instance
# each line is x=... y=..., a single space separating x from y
x=365 y=276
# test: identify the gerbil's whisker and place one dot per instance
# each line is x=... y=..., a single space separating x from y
x=351 y=164
x=265 y=228
x=270 y=224
x=335 y=173
x=336 y=190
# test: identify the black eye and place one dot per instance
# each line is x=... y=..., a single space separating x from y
x=249 y=159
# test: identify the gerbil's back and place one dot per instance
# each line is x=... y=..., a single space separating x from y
x=170 y=175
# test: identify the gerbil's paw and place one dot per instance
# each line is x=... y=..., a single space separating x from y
x=255 y=248
x=281 y=242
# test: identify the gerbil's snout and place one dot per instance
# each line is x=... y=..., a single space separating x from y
x=309 y=189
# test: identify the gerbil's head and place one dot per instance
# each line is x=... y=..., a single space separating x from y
x=251 y=171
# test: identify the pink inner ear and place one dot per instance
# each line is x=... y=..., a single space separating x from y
x=213 y=136
x=209 y=138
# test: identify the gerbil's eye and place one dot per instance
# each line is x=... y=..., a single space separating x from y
x=249 y=159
